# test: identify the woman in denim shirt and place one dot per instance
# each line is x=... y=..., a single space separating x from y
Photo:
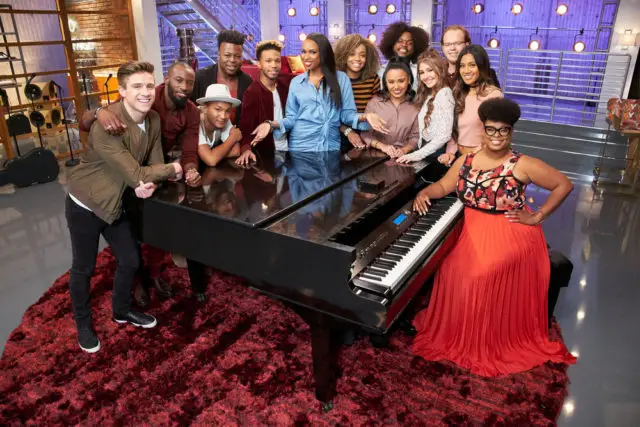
x=319 y=101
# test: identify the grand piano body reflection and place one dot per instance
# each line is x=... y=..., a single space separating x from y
x=330 y=234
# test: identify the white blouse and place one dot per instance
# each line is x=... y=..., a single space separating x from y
x=438 y=133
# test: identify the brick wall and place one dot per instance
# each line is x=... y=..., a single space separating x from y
x=100 y=26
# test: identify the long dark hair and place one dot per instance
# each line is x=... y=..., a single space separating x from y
x=461 y=89
x=328 y=67
x=397 y=63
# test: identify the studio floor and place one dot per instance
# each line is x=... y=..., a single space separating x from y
x=598 y=312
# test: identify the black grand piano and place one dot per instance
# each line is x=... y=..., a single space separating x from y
x=331 y=234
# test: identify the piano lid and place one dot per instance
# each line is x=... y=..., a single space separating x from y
x=269 y=189
x=322 y=218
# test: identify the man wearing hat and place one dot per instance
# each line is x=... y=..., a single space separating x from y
x=218 y=139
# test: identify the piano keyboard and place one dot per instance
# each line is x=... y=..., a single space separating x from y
x=393 y=265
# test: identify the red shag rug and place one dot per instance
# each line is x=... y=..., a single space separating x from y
x=240 y=359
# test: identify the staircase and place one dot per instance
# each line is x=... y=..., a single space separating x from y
x=207 y=18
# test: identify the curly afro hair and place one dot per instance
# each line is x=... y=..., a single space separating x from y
x=393 y=33
x=499 y=110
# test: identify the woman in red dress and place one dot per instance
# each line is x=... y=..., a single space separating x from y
x=488 y=309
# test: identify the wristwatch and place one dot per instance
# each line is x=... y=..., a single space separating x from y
x=270 y=122
x=95 y=115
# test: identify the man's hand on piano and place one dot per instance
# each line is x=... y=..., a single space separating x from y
x=193 y=178
x=524 y=217
x=246 y=159
x=178 y=170
x=421 y=204
x=145 y=190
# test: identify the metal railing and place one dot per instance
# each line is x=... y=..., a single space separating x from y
x=563 y=86
x=232 y=15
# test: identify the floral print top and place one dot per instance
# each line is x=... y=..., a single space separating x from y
x=493 y=190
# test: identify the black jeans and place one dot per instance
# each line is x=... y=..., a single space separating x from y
x=197 y=276
x=85 y=229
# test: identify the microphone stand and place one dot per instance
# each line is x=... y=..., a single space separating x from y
x=72 y=161
x=106 y=85
x=86 y=91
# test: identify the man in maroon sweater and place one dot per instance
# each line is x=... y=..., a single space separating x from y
x=264 y=101
x=180 y=121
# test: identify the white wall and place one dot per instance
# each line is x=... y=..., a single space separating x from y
x=145 y=20
x=628 y=18
x=269 y=20
x=421 y=11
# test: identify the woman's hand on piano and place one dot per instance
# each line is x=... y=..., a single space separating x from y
x=403 y=159
x=246 y=159
x=355 y=140
x=446 y=158
x=422 y=203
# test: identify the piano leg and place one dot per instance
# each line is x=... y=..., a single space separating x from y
x=324 y=351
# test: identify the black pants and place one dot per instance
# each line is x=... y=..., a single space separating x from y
x=197 y=276
x=85 y=229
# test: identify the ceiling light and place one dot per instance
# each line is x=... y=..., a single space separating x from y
x=578 y=44
x=494 y=43
x=534 y=45
x=516 y=8
x=302 y=36
x=314 y=11
x=291 y=12
x=281 y=37
x=477 y=8
x=373 y=9
x=562 y=9
x=391 y=8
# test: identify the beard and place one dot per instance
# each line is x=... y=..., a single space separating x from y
x=178 y=102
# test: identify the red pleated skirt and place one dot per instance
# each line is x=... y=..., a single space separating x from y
x=488 y=308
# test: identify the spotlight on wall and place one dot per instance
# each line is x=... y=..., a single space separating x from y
x=578 y=44
x=302 y=36
x=391 y=8
x=291 y=11
x=562 y=9
x=373 y=9
x=493 y=39
x=534 y=43
x=372 y=35
x=281 y=38
x=516 y=8
x=478 y=8
x=314 y=11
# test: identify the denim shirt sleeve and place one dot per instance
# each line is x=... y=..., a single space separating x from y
x=348 y=114
x=291 y=112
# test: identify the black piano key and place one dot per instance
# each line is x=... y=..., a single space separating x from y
x=416 y=231
x=375 y=272
x=408 y=242
x=410 y=238
x=370 y=277
x=394 y=252
x=402 y=244
x=401 y=249
x=420 y=227
x=428 y=222
x=392 y=257
x=381 y=265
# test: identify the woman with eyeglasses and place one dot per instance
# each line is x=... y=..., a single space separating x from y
x=488 y=308
x=473 y=87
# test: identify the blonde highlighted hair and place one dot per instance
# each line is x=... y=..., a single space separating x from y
x=432 y=59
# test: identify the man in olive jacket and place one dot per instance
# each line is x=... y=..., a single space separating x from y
x=108 y=166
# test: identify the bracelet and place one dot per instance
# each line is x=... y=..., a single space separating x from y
x=95 y=115
x=539 y=211
x=347 y=131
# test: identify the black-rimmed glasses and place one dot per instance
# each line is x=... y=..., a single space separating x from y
x=492 y=131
